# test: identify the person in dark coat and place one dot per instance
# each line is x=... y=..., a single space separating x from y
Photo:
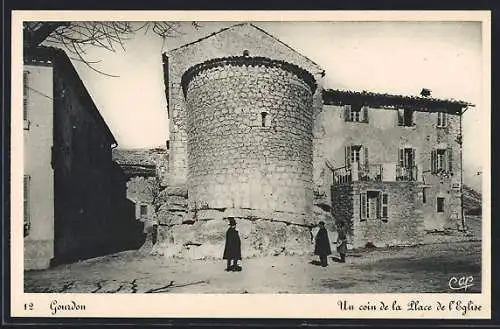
x=322 y=245
x=342 y=241
x=232 y=249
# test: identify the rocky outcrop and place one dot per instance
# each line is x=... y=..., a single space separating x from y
x=259 y=237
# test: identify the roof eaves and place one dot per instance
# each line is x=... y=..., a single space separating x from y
x=255 y=27
x=45 y=53
x=203 y=38
x=340 y=97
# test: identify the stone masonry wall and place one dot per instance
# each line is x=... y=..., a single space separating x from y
x=250 y=139
x=229 y=42
x=342 y=203
x=405 y=222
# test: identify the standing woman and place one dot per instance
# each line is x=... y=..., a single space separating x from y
x=232 y=249
x=322 y=245
x=342 y=241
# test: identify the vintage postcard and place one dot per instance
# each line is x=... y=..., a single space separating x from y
x=251 y=164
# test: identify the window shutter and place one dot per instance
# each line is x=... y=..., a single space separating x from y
x=433 y=161
x=26 y=204
x=401 y=158
x=385 y=205
x=445 y=119
x=362 y=209
x=413 y=165
x=365 y=151
x=450 y=159
x=401 y=120
x=347 y=112
x=348 y=155
x=365 y=114
x=25 y=94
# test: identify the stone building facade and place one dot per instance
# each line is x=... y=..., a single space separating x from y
x=401 y=158
x=254 y=135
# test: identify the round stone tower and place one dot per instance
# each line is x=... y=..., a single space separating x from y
x=250 y=139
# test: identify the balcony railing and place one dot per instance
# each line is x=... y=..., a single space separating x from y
x=342 y=175
x=374 y=172
x=408 y=174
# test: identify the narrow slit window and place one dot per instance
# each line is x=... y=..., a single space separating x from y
x=440 y=205
x=264 y=119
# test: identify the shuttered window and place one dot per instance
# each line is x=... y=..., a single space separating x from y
x=442 y=160
x=26 y=204
x=406 y=117
x=25 y=97
x=356 y=113
x=407 y=157
x=442 y=120
x=373 y=205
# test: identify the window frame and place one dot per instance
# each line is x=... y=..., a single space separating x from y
x=355 y=149
x=265 y=119
x=141 y=207
x=442 y=160
x=442 y=120
x=438 y=204
x=356 y=113
x=402 y=115
x=382 y=206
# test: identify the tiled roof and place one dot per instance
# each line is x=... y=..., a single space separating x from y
x=378 y=100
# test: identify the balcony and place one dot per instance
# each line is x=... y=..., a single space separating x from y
x=388 y=172
x=406 y=174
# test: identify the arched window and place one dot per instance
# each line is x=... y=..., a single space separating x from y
x=265 y=119
x=246 y=52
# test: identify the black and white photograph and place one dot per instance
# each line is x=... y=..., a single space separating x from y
x=243 y=156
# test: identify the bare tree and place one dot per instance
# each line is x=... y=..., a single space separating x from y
x=76 y=37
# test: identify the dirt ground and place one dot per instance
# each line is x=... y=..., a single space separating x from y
x=425 y=268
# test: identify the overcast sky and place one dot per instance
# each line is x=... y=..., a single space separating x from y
x=387 y=57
